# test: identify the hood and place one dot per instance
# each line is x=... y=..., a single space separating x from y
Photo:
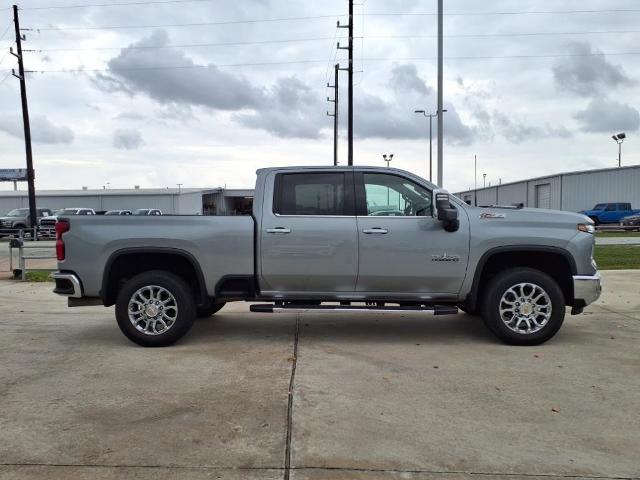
x=527 y=216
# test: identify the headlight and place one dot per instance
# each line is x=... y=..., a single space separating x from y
x=586 y=228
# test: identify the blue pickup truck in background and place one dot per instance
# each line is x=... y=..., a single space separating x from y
x=610 y=212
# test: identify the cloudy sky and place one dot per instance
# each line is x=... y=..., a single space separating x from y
x=204 y=92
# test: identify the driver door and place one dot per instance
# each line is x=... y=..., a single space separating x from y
x=403 y=249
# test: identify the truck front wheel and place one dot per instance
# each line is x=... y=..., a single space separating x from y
x=155 y=309
x=523 y=306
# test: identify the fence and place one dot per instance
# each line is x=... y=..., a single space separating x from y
x=22 y=248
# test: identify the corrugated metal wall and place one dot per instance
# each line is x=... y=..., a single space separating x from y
x=572 y=191
x=188 y=203
x=584 y=190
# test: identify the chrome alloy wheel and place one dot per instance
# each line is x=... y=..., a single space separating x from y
x=153 y=310
x=525 y=308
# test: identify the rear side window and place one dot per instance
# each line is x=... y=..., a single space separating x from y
x=311 y=194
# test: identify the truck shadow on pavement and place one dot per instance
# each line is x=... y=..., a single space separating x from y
x=353 y=329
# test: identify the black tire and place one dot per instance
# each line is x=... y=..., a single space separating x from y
x=182 y=297
x=474 y=312
x=209 y=310
x=500 y=285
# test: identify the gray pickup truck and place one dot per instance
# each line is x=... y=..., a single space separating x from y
x=334 y=239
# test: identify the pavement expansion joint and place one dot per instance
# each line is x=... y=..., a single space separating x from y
x=294 y=364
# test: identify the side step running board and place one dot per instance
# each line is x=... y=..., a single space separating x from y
x=296 y=308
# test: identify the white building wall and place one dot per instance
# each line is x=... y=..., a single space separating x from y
x=512 y=194
x=190 y=204
x=571 y=191
x=582 y=191
x=171 y=203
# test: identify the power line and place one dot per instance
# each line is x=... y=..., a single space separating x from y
x=9 y=72
x=6 y=30
x=312 y=39
x=198 y=24
x=122 y=4
x=522 y=12
x=184 y=45
x=512 y=34
x=302 y=62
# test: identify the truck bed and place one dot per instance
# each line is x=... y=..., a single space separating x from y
x=221 y=246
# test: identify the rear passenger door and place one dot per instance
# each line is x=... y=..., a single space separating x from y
x=308 y=235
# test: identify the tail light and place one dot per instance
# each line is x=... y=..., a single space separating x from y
x=61 y=227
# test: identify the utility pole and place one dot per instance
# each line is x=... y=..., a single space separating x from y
x=335 y=113
x=440 y=86
x=25 y=119
x=475 y=180
x=350 y=88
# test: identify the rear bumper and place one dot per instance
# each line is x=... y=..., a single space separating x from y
x=586 y=289
x=67 y=284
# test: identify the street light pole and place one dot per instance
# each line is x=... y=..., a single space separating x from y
x=440 y=92
x=388 y=160
x=619 y=138
x=475 y=180
x=431 y=116
x=484 y=180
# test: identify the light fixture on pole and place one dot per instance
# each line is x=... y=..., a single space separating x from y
x=431 y=117
x=619 y=138
x=484 y=180
x=388 y=158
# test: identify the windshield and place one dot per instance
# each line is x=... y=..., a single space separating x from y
x=18 y=212
x=141 y=211
x=68 y=211
x=600 y=206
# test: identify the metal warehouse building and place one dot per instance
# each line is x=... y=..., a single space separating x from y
x=185 y=201
x=574 y=191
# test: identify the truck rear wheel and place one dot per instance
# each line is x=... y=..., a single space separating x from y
x=155 y=309
x=523 y=306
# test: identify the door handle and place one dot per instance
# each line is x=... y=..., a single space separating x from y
x=279 y=230
x=376 y=230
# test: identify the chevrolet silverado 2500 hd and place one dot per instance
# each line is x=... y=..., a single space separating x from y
x=334 y=239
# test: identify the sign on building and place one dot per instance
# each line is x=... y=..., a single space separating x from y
x=13 y=174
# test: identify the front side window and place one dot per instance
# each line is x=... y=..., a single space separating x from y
x=394 y=196
x=310 y=194
x=18 y=212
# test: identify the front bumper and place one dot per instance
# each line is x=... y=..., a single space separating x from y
x=586 y=289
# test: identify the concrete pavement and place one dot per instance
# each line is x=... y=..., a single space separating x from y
x=373 y=396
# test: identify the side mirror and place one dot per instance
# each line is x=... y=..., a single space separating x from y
x=446 y=213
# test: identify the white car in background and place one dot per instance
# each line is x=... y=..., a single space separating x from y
x=147 y=211
x=48 y=224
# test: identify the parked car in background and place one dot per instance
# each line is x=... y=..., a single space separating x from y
x=18 y=221
x=317 y=242
x=631 y=221
x=610 y=212
x=118 y=212
x=147 y=211
x=48 y=224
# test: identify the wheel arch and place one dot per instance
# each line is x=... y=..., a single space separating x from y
x=554 y=261
x=180 y=262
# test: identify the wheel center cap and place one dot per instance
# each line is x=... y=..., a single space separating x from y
x=526 y=308
x=151 y=310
